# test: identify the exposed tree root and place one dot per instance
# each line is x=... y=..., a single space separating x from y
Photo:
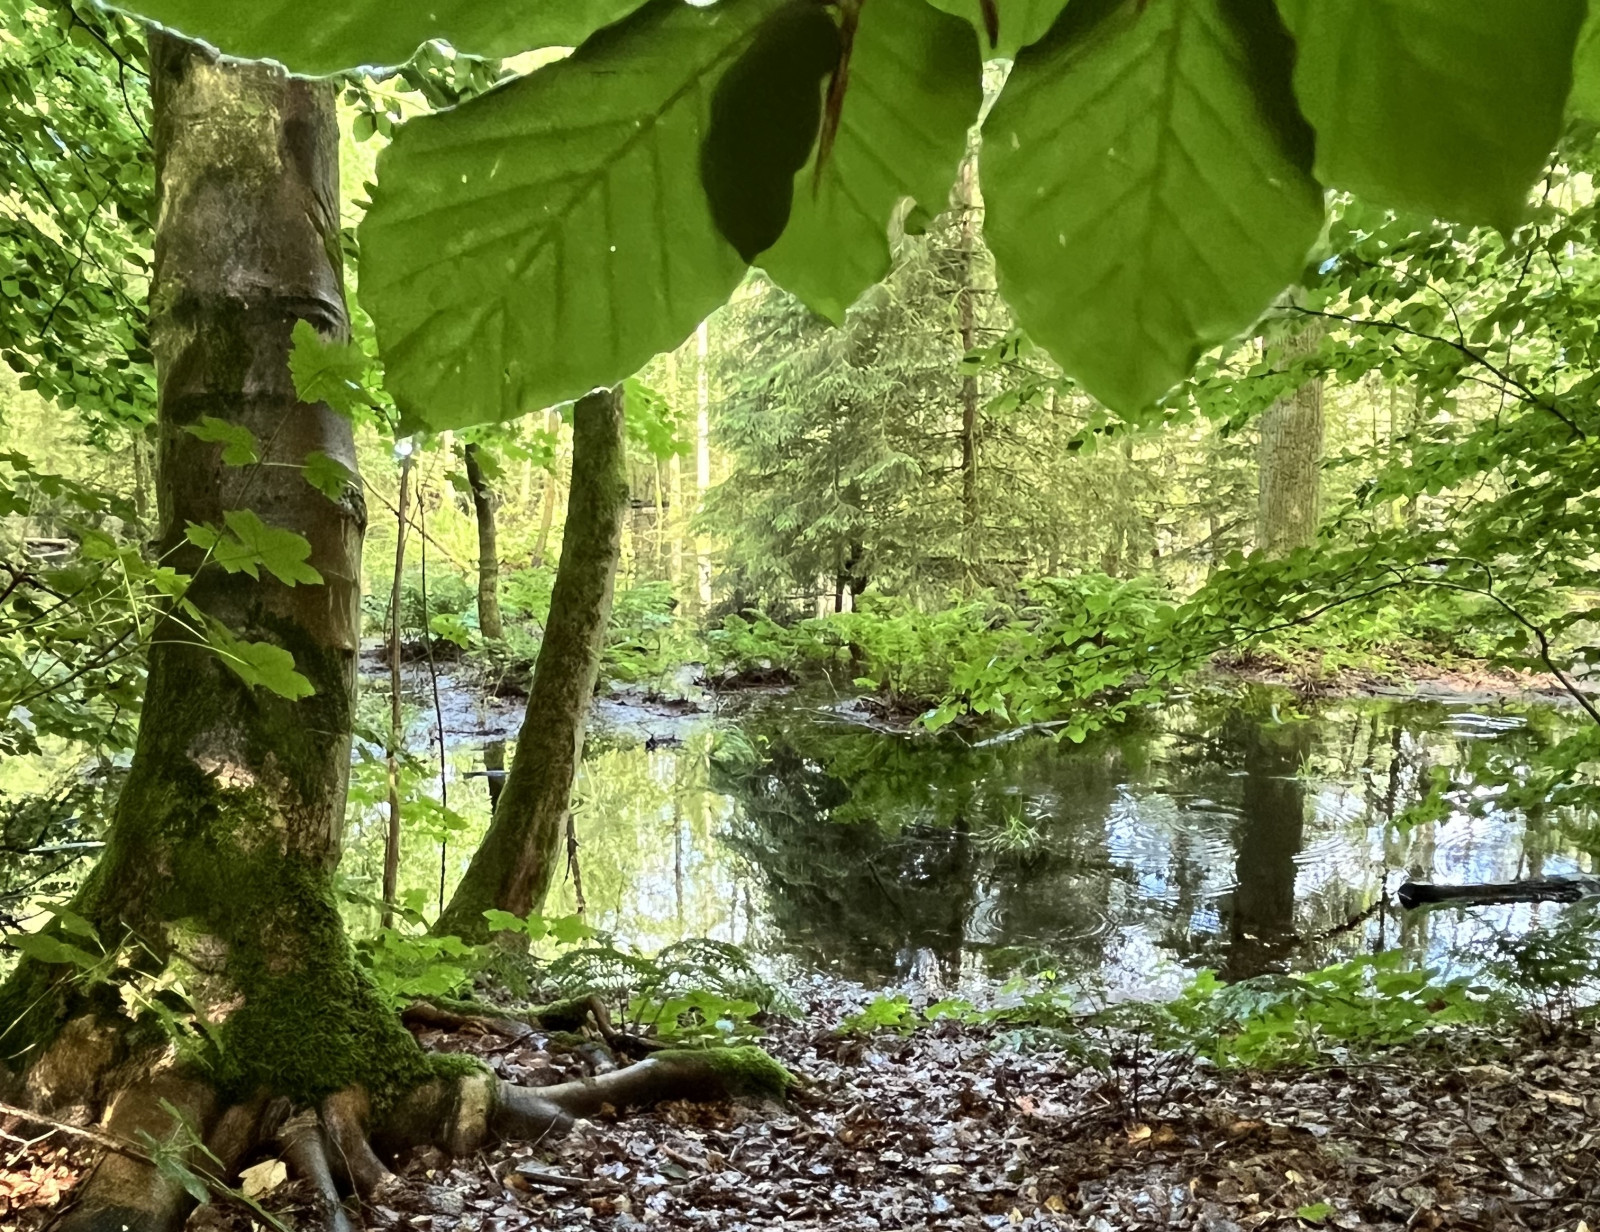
x=344 y=1120
x=305 y=1150
x=338 y=1148
x=488 y=1019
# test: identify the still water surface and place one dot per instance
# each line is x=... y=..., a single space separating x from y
x=1246 y=837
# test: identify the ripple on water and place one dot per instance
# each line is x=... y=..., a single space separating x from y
x=1473 y=724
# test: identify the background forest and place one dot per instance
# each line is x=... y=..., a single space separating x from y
x=1014 y=711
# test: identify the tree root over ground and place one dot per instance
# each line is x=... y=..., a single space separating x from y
x=166 y=1137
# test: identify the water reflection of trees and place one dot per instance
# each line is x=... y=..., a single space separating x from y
x=1238 y=835
x=871 y=847
x=1246 y=837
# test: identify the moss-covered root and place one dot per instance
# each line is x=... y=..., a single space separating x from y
x=459 y=1114
x=125 y=1193
x=692 y=1074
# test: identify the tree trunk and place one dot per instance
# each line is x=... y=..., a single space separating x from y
x=220 y=857
x=702 y=461
x=514 y=866
x=391 y=845
x=967 y=323
x=547 y=500
x=483 y=502
x=1290 y=474
x=214 y=902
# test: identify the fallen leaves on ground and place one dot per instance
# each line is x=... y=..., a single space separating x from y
x=955 y=1127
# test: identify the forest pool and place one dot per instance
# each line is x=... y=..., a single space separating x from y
x=1248 y=836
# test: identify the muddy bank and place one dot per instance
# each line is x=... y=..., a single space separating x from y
x=1467 y=683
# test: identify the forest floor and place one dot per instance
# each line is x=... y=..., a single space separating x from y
x=955 y=1127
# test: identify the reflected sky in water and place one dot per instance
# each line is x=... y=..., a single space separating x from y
x=1244 y=837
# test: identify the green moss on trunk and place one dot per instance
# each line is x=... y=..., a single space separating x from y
x=218 y=866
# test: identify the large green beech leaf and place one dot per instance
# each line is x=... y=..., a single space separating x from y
x=765 y=115
x=313 y=37
x=1585 y=97
x=1450 y=107
x=1021 y=21
x=1147 y=187
x=915 y=85
x=553 y=234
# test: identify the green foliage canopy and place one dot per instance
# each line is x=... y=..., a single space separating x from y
x=548 y=236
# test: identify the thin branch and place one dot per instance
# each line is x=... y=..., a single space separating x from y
x=1532 y=395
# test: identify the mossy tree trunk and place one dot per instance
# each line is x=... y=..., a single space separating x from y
x=1290 y=460
x=219 y=860
x=215 y=892
x=515 y=864
x=483 y=504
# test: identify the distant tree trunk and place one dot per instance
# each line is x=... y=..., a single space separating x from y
x=967 y=323
x=702 y=458
x=1290 y=474
x=141 y=478
x=679 y=525
x=639 y=536
x=662 y=552
x=547 y=501
x=516 y=862
x=483 y=503
x=391 y=846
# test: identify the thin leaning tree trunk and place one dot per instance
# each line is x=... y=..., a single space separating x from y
x=483 y=503
x=391 y=844
x=967 y=322
x=547 y=496
x=515 y=864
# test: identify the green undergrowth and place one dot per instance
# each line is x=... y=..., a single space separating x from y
x=1347 y=1009
x=697 y=992
x=648 y=640
x=1083 y=652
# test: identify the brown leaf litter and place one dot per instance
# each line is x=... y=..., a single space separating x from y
x=956 y=1127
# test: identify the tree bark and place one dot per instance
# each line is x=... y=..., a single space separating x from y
x=219 y=860
x=483 y=503
x=547 y=497
x=1290 y=474
x=516 y=862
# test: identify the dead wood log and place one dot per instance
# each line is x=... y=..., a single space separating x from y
x=1533 y=890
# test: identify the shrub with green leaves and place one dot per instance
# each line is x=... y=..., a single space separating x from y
x=1368 y=1002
